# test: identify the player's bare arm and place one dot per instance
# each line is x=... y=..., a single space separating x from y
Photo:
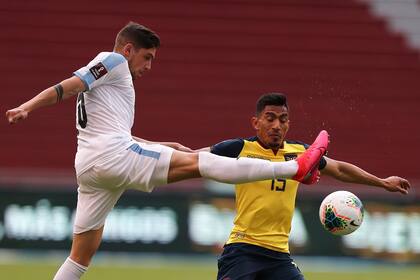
x=346 y=172
x=47 y=97
x=206 y=149
x=174 y=145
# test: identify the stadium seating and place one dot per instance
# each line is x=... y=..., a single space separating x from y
x=341 y=67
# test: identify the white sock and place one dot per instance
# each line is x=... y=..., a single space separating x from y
x=70 y=270
x=243 y=170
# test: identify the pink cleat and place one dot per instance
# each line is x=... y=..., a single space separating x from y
x=312 y=177
x=309 y=160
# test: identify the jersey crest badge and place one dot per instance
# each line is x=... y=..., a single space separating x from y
x=98 y=70
x=290 y=157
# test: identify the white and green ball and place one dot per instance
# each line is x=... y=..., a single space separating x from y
x=341 y=212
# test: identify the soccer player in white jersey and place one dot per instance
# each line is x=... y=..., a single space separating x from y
x=110 y=160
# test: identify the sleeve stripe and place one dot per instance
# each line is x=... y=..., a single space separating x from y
x=87 y=78
x=77 y=74
x=113 y=60
x=110 y=62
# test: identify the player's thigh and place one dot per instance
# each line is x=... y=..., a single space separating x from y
x=249 y=276
x=183 y=166
x=288 y=271
x=141 y=167
x=93 y=203
x=234 y=264
x=232 y=274
x=146 y=166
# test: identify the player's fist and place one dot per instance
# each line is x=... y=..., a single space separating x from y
x=15 y=115
x=396 y=184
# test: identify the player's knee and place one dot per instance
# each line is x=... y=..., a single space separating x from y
x=185 y=161
x=183 y=166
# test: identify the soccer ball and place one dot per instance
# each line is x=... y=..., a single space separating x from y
x=341 y=212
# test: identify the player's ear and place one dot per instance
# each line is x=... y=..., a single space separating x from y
x=128 y=49
x=254 y=122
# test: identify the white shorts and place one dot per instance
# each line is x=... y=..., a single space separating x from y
x=140 y=167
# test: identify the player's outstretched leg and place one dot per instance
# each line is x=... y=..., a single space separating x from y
x=310 y=158
x=245 y=170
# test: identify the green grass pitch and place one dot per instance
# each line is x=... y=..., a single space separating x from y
x=190 y=271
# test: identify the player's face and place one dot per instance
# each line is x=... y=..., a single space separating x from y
x=272 y=125
x=140 y=61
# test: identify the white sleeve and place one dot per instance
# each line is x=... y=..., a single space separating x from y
x=97 y=72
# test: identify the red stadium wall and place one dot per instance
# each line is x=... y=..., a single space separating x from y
x=341 y=68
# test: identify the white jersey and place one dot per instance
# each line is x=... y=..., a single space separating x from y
x=105 y=112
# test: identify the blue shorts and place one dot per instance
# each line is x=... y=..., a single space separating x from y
x=241 y=261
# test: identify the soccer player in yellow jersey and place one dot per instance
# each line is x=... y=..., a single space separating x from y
x=257 y=247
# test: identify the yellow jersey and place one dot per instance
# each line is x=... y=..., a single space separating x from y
x=264 y=209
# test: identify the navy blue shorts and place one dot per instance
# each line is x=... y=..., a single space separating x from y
x=241 y=261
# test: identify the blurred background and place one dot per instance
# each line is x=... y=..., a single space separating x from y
x=351 y=67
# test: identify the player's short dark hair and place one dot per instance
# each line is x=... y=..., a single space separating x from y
x=272 y=98
x=140 y=36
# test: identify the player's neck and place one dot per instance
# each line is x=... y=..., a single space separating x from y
x=275 y=150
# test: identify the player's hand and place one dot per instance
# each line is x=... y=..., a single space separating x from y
x=396 y=184
x=180 y=147
x=15 y=115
